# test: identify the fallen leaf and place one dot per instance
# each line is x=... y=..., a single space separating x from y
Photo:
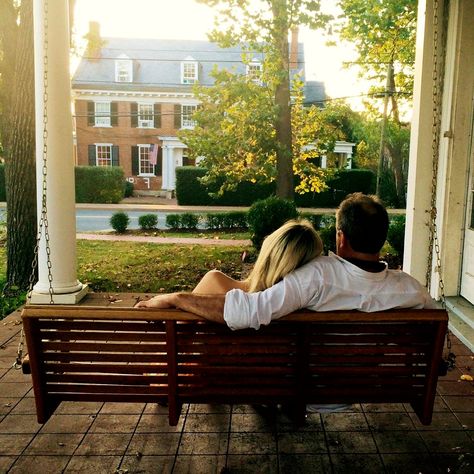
x=467 y=377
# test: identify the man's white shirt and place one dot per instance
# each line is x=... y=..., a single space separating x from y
x=326 y=284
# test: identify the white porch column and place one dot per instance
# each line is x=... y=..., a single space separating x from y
x=168 y=169
x=53 y=55
x=421 y=160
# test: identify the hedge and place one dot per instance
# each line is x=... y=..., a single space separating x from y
x=98 y=184
x=190 y=192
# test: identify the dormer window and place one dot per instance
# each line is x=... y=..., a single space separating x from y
x=189 y=71
x=123 y=69
x=254 y=71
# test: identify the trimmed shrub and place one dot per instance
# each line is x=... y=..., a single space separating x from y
x=128 y=191
x=3 y=188
x=189 y=221
x=343 y=183
x=119 y=222
x=148 y=221
x=267 y=215
x=235 y=220
x=99 y=184
x=226 y=220
x=396 y=234
x=189 y=191
x=173 y=221
x=315 y=219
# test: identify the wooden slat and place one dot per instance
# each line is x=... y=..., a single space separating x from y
x=109 y=379
x=104 y=357
x=315 y=351
x=97 y=325
x=107 y=368
x=98 y=336
x=57 y=388
x=102 y=346
x=110 y=397
x=151 y=314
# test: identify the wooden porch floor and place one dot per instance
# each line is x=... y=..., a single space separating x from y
x=129 y=438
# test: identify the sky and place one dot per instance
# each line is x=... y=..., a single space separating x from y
x=187 y=19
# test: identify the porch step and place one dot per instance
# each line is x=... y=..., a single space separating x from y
x=461 y=319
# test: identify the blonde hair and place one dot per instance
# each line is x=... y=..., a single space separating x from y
x=292 y=245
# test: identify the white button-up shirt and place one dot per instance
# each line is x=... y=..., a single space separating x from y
x=326 y=284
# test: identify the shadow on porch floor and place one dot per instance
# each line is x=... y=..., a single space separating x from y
x=129 y=438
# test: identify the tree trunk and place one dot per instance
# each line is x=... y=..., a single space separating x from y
x=285 y=178
x=397 y=168
x=20 y=158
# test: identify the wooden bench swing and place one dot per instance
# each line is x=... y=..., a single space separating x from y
x=84 y=353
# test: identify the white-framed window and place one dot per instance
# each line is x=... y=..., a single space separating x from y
x=187 y=112
x=145 y=115
x=145 y=168
x=123 y=69
x=254 y=71
x=103 y=154
x=102 y=114
x=189 y=71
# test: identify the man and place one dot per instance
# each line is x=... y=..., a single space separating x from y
x=352 y=279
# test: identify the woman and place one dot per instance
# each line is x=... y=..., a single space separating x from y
x=289 y=247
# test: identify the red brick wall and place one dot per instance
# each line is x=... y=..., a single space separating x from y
x=124 y=136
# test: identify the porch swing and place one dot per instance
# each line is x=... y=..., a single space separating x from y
x=86 y=353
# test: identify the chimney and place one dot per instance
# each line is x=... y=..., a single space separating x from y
x=94 y=42
x=294 y=48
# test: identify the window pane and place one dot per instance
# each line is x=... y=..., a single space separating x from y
x=189 y=73
x=102 y=114
x=187 y=112
x=145 y=115
x=104 y=155
x=144 y=160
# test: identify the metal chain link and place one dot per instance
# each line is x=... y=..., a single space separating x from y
x=434 y=250
x=43 y=221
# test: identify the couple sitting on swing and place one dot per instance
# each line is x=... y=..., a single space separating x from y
x=290 y=274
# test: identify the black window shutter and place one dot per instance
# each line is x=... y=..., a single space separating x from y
x=115 y=155
x=135 y=167
x=92 y=156
x=90 y=113
x=134 y=114
x=177 y=116
x=157 y=115
x=159 y=162
x=114 y=114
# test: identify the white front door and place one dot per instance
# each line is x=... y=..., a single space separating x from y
x=467 y=277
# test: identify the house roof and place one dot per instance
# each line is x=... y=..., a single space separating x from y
x=157 y=64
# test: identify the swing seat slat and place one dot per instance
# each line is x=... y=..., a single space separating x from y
x=86 y=353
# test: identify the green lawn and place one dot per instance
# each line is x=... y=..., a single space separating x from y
x=135 y=266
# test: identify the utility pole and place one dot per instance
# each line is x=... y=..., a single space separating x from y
x=387 y=94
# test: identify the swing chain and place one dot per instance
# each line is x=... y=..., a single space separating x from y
x=43 y=221
x=434 y=251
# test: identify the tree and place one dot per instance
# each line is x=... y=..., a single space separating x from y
x=383 y=33
x=235 y=132
x=18 y=137
x=264 y=26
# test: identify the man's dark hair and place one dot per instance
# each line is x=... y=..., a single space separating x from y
x=364 y=221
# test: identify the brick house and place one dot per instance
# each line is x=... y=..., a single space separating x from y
x=131 y=94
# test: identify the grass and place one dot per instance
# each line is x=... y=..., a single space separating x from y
x=142 y=268
x=151 y=268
